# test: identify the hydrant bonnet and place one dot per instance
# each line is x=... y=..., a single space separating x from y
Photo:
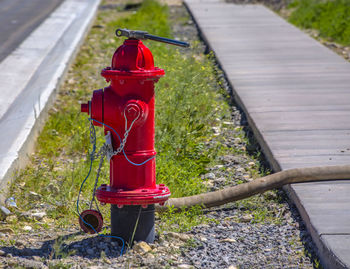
x=132 y=60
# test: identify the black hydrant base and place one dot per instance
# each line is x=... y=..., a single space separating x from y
x=123 y=221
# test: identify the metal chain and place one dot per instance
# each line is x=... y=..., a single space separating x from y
x=122 y=144
x=102 y=153
x=126 y=134
x=106 y=149
x=92 y=139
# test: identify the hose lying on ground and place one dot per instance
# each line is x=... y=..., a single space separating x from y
x=260 y=185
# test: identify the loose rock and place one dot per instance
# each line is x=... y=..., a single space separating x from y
x=4 y=212
x=53 y=188
x=38 y=215
x=246 y=218
x=185 y=266
x=228 y=240
x=142 y=247
x=11 y=202
x=11 y=218
x=182 y=237
x=33 y=196
x=27 y=228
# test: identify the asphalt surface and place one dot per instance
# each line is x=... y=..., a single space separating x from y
x=18 y=18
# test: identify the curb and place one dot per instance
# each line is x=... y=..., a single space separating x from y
x=31 y=76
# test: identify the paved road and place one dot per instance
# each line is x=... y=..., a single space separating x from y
x=18 y=18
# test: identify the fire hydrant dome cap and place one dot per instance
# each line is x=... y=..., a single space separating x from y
x=133 y=58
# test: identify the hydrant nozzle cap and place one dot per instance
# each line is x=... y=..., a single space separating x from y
x=84 y=108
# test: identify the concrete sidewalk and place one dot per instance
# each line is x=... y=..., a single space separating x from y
x=30 y=76
x=295 y=93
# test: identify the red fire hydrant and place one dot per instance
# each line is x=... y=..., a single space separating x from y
x=126 y=111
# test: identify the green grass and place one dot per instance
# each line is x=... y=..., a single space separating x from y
x=187 y=106
x=331 y=18
x=184 y=220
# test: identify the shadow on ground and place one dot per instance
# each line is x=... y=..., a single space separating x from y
x=92 y=247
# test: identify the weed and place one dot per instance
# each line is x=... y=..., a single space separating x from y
x=182 y=221
x=191 y=243
x=331 y=18
x=58 y=251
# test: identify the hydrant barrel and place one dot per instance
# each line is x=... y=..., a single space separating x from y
x=125 y=109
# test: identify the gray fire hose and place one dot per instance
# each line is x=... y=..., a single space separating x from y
x=260 y=185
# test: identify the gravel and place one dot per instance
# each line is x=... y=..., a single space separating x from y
x=236 y=238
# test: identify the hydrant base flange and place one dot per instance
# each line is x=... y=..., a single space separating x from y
x=141 y=196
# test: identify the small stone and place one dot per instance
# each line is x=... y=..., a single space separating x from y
x=149 y=256
x=185 y=266
x=240 y=170
x=209 y=183
x=228 y=240
x=270 y=195
x=216 y=130
x=26 y=263
x=4 y=212
x=106 y=260
x=231 y=159
x=11 y=202
x=27 y=228
x=182 y=237
x=232 y=267
x=53 y=188
x=237 y=141
x=219 y=166
x=203 y=239
x=209 y=176
x=37 y=258
x=220 y=180
x=33 y=196
x=246 y=218
x=251 y=163
x=25 y=216
x=12 y=218
x=6 y=231
x=20 y=243
x=90 y=251
x=142 y=247
x=2 y=253
x=38 y=215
